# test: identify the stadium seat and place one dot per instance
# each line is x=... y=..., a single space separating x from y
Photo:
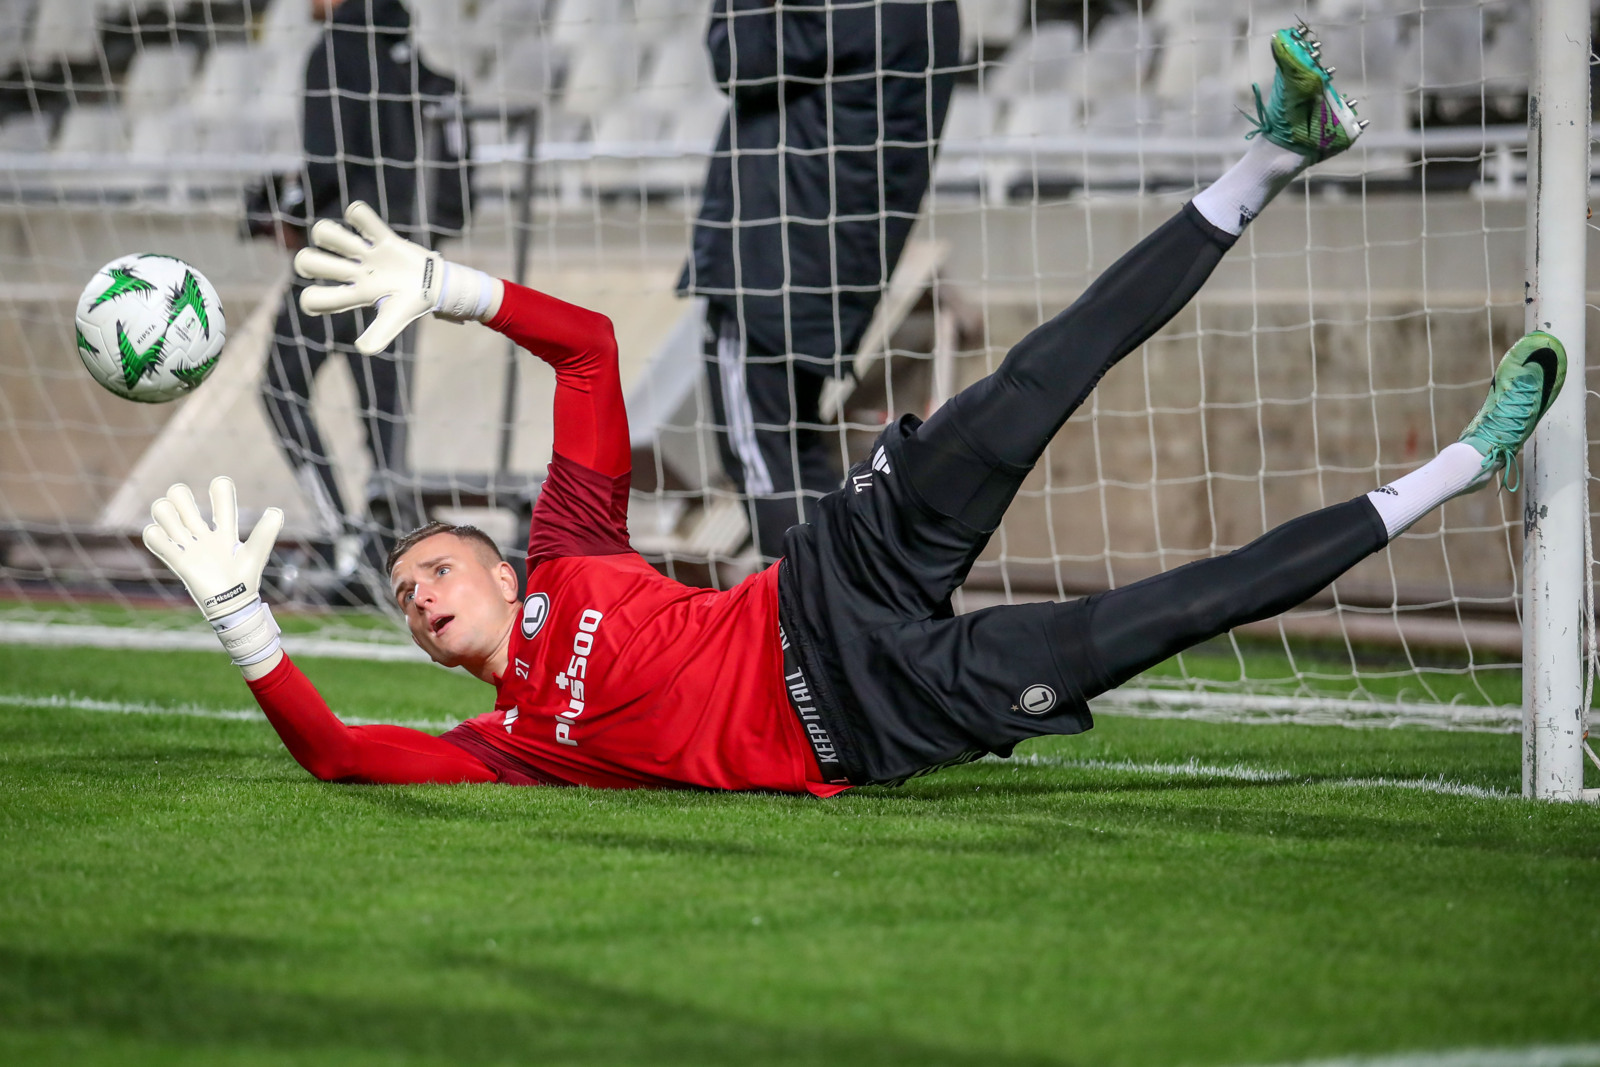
x=974 y=115
x=604 y=69
x=1363 y=43
x=1509 y=54
x=574 y=23
x=445 y=35
x=679 y=69
x=63 y=31
x=162 y=134
x=1445 y=52
x=228 y=80
x=619 y=133
x=1118 y=56
x=280 y=70
x=288 y=26
x=157 y=79
x=1199 y=51
x=25 y=133
x=662 y=18
x=1046 y=60
x=692 y=128
x=1030 y=124
x=1127 y=114
x=92 y=129
x=251 y=135
x=14 y=18
x=1209 y=108
x=974 y=118
x=525 y=73
x=990 y=23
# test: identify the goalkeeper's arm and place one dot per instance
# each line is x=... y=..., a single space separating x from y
x=224 y=577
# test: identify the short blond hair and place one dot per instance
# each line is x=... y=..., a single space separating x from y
x=481 y=542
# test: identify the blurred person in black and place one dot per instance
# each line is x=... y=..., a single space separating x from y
x=362 y=130
x=817 y=176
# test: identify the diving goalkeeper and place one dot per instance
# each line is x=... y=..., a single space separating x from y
x=841 y=664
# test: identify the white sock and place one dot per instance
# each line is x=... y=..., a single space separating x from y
x=1411 y=496
x=1230 y=202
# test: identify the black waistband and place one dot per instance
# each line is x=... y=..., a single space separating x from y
x=809 y=697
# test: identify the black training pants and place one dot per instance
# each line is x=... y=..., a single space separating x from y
x=865 y=590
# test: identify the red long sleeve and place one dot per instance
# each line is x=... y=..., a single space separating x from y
x=591 y=424
x=583 y=505
x=374 y=755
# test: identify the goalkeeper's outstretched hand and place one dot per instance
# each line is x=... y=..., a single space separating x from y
x=373 y=265
x=221 y=573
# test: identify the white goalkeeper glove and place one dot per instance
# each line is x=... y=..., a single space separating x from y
x=223 y=575
x=375 y=265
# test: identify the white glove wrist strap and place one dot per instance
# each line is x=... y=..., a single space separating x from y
x=464 y=294
x=250 y=634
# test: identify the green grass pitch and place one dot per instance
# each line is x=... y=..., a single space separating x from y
x=175 y=890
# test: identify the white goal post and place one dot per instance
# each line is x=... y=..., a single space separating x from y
x=1558 y=612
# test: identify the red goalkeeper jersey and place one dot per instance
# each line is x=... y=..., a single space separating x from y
x=618 y=676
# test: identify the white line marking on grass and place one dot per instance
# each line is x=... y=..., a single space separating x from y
x=73 y=702
x=1241 y=772
x=1535 y=1056
x=1193 y=768
x=1426 y=785
x=75 y=636
x=1206 y=706
x=1190 y=769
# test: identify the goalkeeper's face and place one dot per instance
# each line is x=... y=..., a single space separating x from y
x=459 y=605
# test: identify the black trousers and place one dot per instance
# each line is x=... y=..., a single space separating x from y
x=865 y=591
x=301 y=344
x=767 y=421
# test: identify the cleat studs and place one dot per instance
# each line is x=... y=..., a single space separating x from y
x=1363 y=123
x=1332 y=71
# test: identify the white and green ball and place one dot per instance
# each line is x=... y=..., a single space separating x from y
x=150 y=327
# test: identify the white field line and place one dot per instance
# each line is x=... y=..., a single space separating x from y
x=1240 y=772
x=1237 y=772
x=72 y=702
x=76 y=636
x=1149 y=703
x=1534 y=1056
x=1191 y=768
x=1303 y=710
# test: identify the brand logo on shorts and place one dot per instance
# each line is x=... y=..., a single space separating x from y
x=534 y=611
x=1038 y=699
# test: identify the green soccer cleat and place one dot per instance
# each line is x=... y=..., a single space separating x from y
x=1305 y=114
x=1525 y=384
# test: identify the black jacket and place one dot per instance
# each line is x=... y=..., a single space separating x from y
x=820 y=180
x=361 y=122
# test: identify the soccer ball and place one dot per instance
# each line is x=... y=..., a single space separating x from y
x=150 y=327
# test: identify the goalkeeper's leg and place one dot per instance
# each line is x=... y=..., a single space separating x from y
x=1131 y=629
x=967 y=461
x=947 y=689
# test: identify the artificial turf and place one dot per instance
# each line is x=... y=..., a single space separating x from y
x=175 y=890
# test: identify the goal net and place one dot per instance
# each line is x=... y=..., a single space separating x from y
x=1350 y=334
